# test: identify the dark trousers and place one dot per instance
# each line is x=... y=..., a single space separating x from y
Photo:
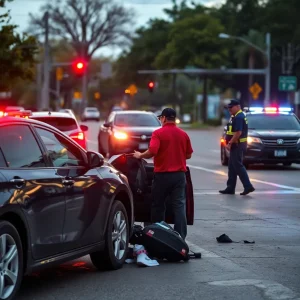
x=236 y=167
x=171 y=184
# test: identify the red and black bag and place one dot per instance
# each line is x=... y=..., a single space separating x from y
x=162 y=242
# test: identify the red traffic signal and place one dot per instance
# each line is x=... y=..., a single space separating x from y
x=79 y=67
x=151 y=86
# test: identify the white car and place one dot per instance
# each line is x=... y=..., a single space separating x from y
x=91 y=113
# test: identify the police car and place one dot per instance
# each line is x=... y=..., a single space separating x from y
x=273 y=137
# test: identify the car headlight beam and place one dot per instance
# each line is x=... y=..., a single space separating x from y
x=251 y=140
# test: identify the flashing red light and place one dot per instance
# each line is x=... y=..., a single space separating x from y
x=151 y=84
x=222 y=141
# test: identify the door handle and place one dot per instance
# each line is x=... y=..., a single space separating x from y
x=18 y=182
x=68 y=181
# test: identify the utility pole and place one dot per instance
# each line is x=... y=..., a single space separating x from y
x=268 y=70
x=44 y=104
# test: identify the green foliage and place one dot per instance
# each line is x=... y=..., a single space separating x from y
x=193 y=41
x=17 y=54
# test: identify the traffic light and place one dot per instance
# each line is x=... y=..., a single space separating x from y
x=151 y=86
x=79 y=67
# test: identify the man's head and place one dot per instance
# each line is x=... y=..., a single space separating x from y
x=167 y=115
x=234 y=106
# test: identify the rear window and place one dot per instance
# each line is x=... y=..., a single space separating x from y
x=132 y=120
x=91 y=109
x=273 y=122
x=63 y=124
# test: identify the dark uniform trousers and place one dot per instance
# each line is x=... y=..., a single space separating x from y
x=236 y=167
x=171 y=184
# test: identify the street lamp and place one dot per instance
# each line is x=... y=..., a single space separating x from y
x=266 y=52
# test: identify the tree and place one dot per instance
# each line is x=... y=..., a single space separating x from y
x=88 y=24
x=17 y=53
x=147 y=44
x=193 y=41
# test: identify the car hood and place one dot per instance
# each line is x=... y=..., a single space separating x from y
x=137 y=130
x=275 y=133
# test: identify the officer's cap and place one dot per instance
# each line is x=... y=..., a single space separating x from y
x=232 y=103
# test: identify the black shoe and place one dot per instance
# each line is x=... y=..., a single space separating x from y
x=227 y=192
x=248 y=191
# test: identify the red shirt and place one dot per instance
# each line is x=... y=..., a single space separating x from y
x=170 y=145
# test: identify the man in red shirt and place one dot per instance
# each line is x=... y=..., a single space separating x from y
x=171 y=147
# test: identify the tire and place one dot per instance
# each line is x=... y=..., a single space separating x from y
x=224 y=158
x=288 y=164
x=107 y=260
x=100 y=149
x=10 y=236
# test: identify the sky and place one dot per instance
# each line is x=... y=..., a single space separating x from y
x=20 y=10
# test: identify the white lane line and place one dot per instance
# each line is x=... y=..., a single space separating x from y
x=252 y=179
x=273 y=192
x=204 y=253
x=272 y=290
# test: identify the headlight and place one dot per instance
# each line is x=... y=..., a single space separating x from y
x=252 y=139
x=120 y=135
x=177 y=121
x=298 y=141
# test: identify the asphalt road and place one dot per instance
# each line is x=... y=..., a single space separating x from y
x=268 y=269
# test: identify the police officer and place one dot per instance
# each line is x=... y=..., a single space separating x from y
x=236 y=140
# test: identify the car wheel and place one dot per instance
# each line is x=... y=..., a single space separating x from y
x=100 y=149
x=287 y=164
x=11 y=261
x=224 y=158
x=116 y=240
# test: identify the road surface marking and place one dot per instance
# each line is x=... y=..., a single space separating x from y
x=272 y=290
x=273 y=192
x=252 y=179
x=204 y=253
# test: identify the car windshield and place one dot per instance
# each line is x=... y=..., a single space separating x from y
x=273 y=122
x=63 y=124
x=139 y=120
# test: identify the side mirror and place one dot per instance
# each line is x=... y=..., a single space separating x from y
x=84 y=128
x=107 y=125
x=95 y=159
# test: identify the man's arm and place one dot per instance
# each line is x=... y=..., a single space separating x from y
x=235 y=137
x=153 y=148
x=238 y=129
x=189 y=149
x=147 y=154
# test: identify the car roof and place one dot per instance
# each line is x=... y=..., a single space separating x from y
x=55 y=114
x=124 y=112
x=11 y=120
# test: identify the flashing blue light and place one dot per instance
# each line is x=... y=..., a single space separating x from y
x=256 y=109
x=285 y=109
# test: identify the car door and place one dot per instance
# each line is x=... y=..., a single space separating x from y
x=140 y=177
x=86 y=204
x=35 y=186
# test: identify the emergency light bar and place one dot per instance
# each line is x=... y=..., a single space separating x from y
x=269 y=109
x=18 y=114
